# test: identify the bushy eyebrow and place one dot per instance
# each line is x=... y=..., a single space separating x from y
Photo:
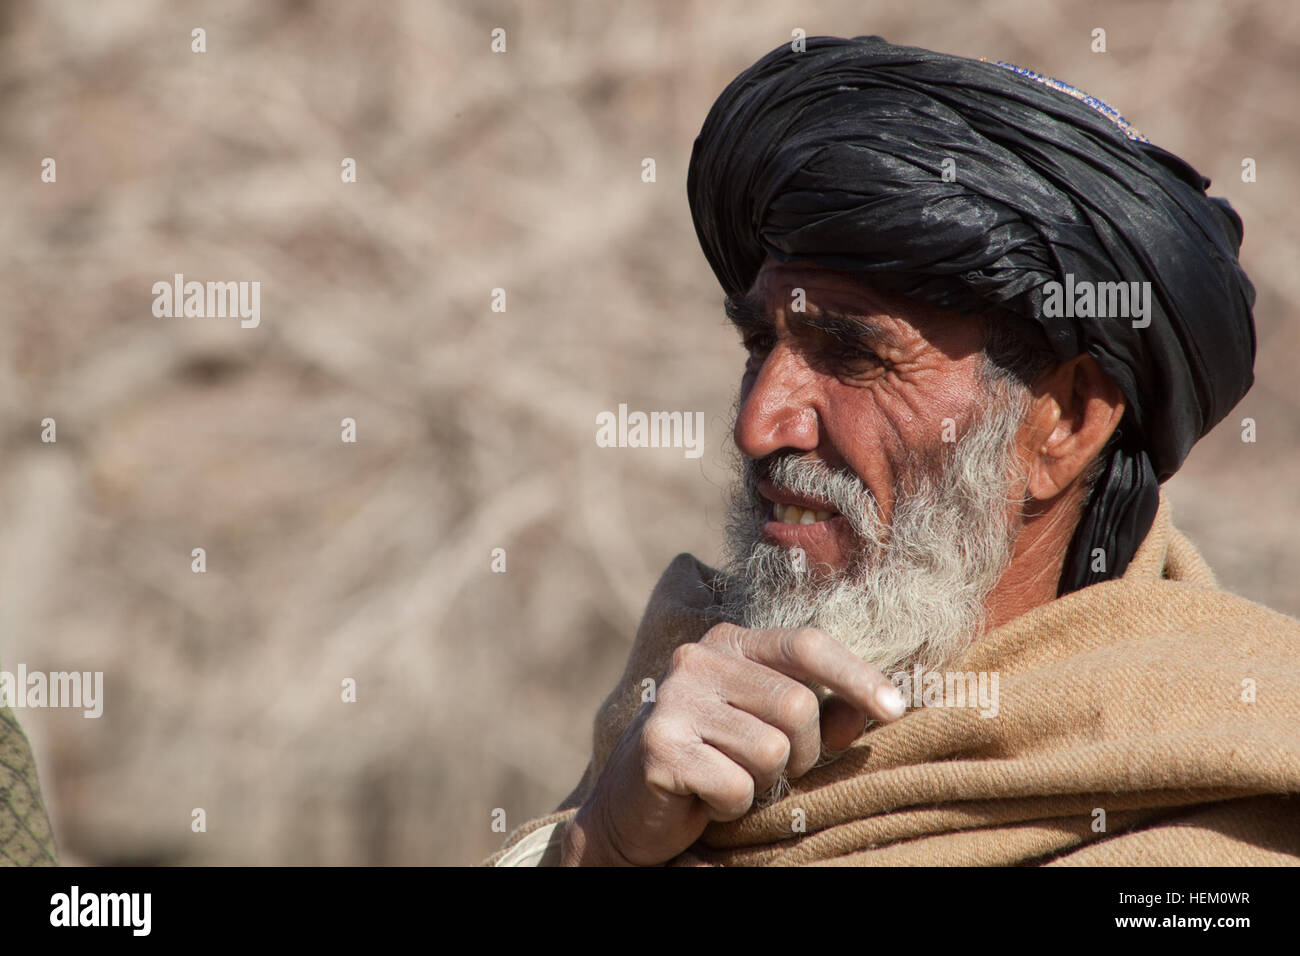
x=746 y=315
x=749 y=317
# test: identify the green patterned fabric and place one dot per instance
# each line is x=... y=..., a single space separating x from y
x=25 y=837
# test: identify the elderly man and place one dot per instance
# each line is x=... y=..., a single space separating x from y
x=984 y=319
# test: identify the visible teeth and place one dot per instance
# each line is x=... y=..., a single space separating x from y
x=793 y=514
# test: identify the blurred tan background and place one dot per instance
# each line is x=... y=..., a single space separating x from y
x=476 y=170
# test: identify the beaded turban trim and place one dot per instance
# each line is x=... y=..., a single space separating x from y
x=1101 y=106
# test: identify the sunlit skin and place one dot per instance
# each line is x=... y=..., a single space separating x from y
x=876 y=404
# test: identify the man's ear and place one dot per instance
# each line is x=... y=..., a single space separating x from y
x=1075 y=409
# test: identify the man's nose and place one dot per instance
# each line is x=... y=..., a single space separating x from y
x=778 y=412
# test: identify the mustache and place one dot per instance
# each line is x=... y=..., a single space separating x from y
x=797 y=474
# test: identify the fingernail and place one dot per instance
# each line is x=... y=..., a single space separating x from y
x=888 y=697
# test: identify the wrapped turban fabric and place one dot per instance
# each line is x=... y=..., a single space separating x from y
x=836 y=155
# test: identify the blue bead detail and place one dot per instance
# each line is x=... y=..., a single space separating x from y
x=1100 y=106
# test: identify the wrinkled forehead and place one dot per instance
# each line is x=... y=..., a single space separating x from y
x=786 y=289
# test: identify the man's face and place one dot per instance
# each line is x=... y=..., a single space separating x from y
x=880 y=471
x=854 y=384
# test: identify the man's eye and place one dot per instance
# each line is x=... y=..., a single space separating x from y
x=855 y=359
x=862 y=354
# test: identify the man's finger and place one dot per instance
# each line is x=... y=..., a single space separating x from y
x=775 y=699
x=761 y=749
x=726 y=788
x=810 y=654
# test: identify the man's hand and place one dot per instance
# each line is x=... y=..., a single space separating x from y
x=730 y=716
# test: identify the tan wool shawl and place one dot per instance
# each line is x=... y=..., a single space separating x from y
x=1151 y=720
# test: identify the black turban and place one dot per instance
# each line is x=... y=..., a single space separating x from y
x=835 y=154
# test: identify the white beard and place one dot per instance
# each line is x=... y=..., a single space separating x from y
x=915 y=593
